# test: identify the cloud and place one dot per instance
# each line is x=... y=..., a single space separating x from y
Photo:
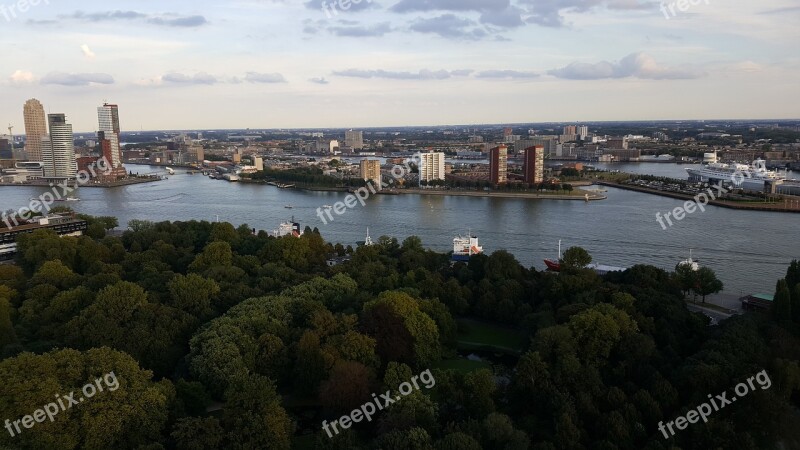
x=87 y=52
x=359 y=31
x=319 y=80
x=199 y=78
x=423 y=74
x=167 y=20
x=548 y=13
x=506 y=74
x=635 y=65
x=21 y=77
x=450 y=5
x=255 y=77
x=449 y=26
x=77 y=79
x=333 y=7
x=785 y=10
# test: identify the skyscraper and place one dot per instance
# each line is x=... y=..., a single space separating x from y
x=583 y=132
x=108 y=134
x=570 y=130
x=533 y=165
x=371 y=170
x=35 y=129
x=354 y=139
x=431 y=167
x=498 y=165
x=58 y=149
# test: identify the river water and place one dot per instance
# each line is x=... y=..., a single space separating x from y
x=749 y=250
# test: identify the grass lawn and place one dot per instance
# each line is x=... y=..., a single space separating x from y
x=462 y=365
x=474 y=335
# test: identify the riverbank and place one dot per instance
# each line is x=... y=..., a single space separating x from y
x=578 y=195
x=127 y=182
x=771 y=207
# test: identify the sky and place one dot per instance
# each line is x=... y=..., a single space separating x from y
x=197 y=64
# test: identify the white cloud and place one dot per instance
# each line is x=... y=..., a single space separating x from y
x=22 y=77
x=87 y=52
x=635 y=65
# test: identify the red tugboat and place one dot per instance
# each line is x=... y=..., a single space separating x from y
x=554 y=266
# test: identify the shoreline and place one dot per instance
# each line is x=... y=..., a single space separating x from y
x=93 y=185
x=721 y=203
x=494 y=194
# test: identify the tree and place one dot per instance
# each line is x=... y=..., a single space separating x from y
x=192 y=294
x=348 y=387
x=458 y=441
x=782 y=304
x=254 y=416
x=7 y=334
x=195 y=433
x=707 y=283
x=796 y=304
x=576 y=258
x=686 y=276
x=126 y=414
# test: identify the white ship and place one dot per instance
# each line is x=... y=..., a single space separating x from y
x=735 y=173
x=465 y=247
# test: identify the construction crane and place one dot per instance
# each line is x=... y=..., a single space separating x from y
x=11 y=137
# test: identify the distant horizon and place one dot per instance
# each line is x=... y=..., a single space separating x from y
x=499 y=124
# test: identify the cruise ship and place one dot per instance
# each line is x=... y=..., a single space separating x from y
x=735 y=173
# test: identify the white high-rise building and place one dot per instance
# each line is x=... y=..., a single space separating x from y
x=583 y=132
x=354 y=139
x=58 y=149
x=431 y=167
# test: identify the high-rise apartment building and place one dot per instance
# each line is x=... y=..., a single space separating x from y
x=570 y=130
x=371 y=171
x=354 y=139
x=498 y=165
x=35 y=129
x=431 y=167
x=109 y=135
x=533 y=165
x=583 y=132
x=58 y=149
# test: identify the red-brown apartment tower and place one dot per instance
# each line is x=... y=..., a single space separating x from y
x=498 y=165
x=533 y=165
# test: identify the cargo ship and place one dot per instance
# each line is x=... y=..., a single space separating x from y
x=290 y=228
x=465 y=247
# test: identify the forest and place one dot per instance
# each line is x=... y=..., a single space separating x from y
x=224 y=339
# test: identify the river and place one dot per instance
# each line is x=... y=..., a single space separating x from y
x=749 y=250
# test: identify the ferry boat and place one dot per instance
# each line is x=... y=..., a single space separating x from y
x=465 y=247
x=290 y=228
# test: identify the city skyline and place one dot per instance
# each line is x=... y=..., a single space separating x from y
x=401 y=63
